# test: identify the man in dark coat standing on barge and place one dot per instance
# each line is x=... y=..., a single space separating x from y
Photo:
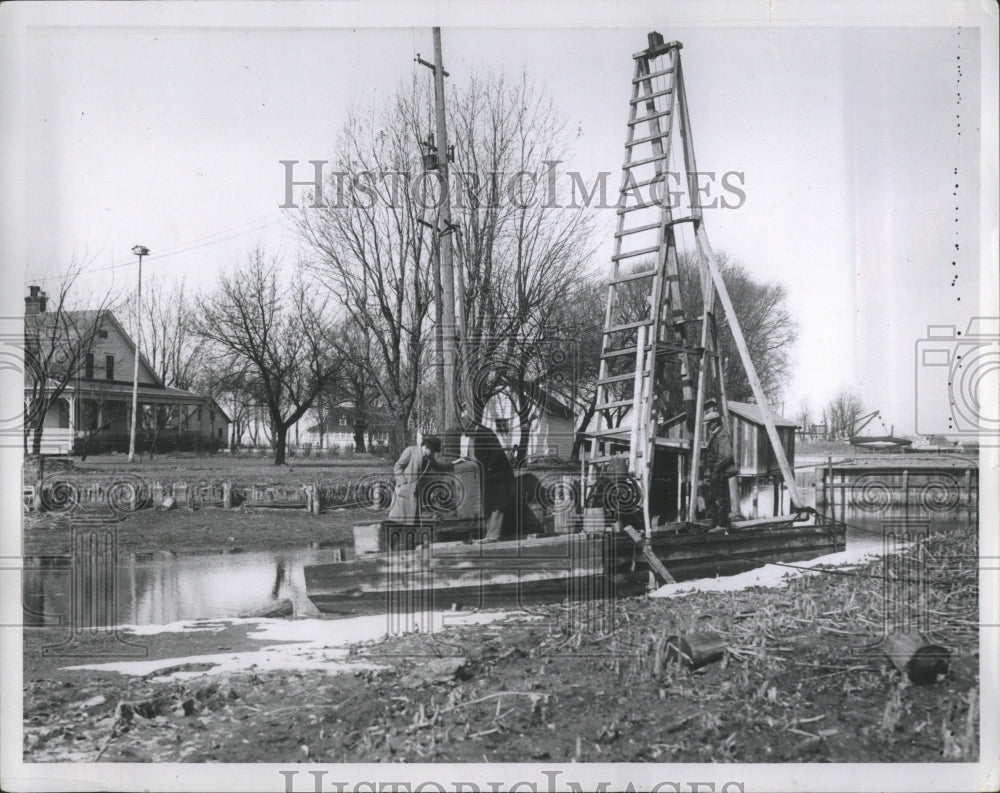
x=498 y=480
x=720 y=466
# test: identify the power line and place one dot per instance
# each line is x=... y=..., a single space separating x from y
x=181 y=248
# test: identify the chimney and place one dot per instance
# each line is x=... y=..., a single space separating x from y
x=36 y=301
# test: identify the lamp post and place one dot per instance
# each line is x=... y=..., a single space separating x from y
x=140 y=251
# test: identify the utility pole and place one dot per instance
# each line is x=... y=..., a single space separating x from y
x=139 y=251
x=445 y=262
x=445 y=333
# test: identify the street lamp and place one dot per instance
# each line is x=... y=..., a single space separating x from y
x=140 y=251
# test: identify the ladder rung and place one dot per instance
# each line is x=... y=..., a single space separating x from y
x=645 y=161
x=607 y=458
x=618 y=403
x=661 y=114
x=653 y=95
x=641 y=252
x=628 y=326
x=660 y=177
x=621 y=279
x=653 y=75
x=623 y=351
x=637 y=229
x=624 y=210
x=615 y=431
x=648 y=138
x=618 y=378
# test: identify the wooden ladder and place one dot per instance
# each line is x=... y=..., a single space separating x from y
x=638 y=335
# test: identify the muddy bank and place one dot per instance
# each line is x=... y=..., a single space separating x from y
x=204 y=530
x=590 y=683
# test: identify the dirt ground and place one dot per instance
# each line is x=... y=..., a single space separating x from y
x=795 y=685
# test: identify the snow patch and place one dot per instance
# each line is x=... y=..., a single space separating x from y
x=313 y=644
x=774 y=576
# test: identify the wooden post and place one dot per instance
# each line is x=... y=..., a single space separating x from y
x=748 y=365
x=756 y=496
x=227 y=495
x=843 y=499
x=828 y=483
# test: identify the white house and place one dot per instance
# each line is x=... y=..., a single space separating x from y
x=96 y=404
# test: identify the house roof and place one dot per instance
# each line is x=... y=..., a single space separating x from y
x=746 y=411
x=83 y=317
x=150 y=391
x=752 y=413
x=549 y=402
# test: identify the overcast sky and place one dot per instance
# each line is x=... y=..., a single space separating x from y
x=859 y=149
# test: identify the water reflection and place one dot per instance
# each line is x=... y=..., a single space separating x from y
x=165 y=587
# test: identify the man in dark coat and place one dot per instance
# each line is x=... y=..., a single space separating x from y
x=498 y=480
x=720 y=466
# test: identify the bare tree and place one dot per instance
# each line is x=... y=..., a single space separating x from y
x=804 y=418
x=168 y=341
x=842 y=414
x=358 y=389
x=152 y=420
x=522 y=253
x=580 y=316
x=374 y=254
x=279 y=334
x=233 y=389
x=57 y=341
x=762 y=310
x=98 y=411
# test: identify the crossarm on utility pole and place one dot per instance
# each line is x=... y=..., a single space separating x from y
x=741 y=346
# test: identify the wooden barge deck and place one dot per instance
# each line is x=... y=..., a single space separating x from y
x=418 y=572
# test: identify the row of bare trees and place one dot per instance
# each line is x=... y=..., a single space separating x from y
x=352 y=323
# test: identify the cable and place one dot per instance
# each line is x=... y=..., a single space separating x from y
x=181 y=248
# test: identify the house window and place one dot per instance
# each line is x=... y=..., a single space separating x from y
x=220 y=433
x=343 y=421
x=102 y=334
x=211 y=415
x=109 y=367
x=88 y=366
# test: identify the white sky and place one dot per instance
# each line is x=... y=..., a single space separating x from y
x=147 y=130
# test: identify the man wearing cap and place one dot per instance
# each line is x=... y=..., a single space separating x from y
x=720 y=467
x=411 y=466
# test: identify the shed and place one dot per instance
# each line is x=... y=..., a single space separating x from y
x=751 y=446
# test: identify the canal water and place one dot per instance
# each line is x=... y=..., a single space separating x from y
x=159 y=588
x=93 y=588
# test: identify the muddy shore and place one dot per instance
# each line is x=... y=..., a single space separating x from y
x=796 y=684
